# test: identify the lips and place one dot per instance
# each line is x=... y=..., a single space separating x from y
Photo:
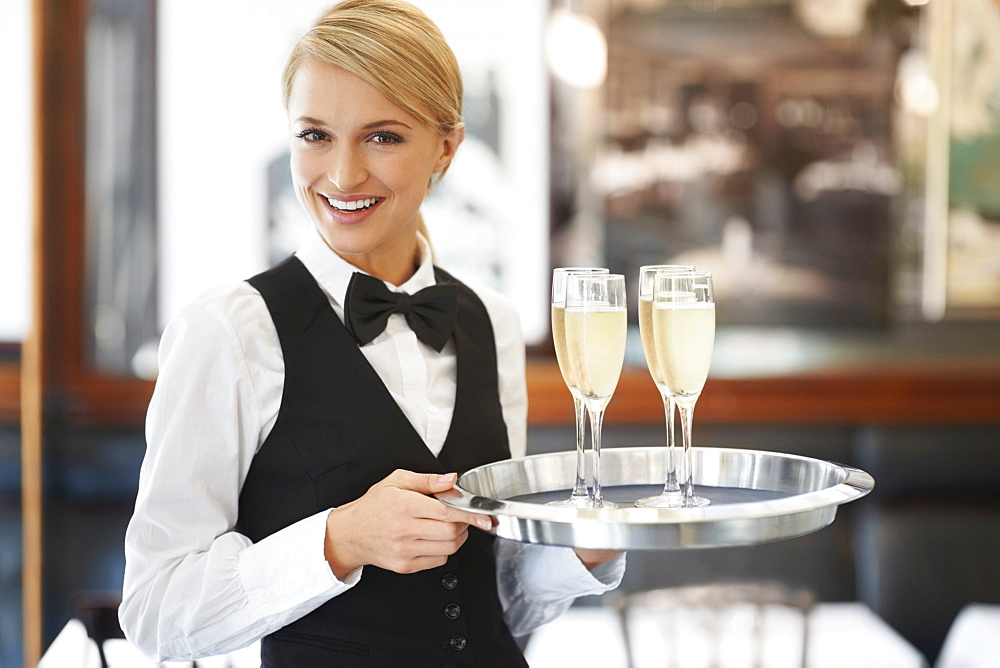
x=353 y=205
x=350 y=210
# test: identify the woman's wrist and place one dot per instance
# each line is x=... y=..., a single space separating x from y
x=337 y=552
x=594 y=558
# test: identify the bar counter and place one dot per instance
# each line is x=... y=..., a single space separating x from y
x=931 y=375
x=936 y=374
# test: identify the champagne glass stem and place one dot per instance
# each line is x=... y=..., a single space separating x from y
x=671 y=496
x=596 y=420
x=671 y=485
x=685 y=407
x=580 y=492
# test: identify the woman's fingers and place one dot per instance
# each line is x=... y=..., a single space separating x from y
x=425 y=544
x=425 y=483
x=430 y=508
x=398 y=526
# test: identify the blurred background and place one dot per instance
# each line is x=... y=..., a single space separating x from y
x=834 y=163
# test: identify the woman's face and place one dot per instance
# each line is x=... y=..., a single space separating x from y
x=361 y=166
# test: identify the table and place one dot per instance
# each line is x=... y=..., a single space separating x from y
x=841 y=635
x=72 y=648
x=973 y=641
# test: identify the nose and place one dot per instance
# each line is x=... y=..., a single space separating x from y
x=346 y=168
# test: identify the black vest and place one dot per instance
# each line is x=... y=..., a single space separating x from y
x=337 y=433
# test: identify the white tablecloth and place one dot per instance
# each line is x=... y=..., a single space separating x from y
x=841 y=635
x=73 y=649
x=973 y=640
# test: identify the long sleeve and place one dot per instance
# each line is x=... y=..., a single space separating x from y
x=537 y=583
x=193 y=586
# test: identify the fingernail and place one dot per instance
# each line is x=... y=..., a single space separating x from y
x=446 y=479
x=484 y=523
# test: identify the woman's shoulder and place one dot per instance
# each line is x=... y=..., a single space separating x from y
x=224 y=324
x=231 y=302
x=233 y=312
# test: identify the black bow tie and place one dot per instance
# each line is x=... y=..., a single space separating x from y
x=430 y=312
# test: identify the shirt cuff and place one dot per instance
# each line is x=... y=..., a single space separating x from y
x=557 y=573
x=611 y=572
x=288 y=569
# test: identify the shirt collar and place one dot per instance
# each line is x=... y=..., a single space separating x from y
x=333 y=272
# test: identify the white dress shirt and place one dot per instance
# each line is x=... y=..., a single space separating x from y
x=193 y=586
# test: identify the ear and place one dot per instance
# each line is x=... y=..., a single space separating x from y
x=449 y=146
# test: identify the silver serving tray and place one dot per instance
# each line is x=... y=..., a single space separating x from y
x=756 y=496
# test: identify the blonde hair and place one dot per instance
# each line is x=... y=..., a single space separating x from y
x=397 y=49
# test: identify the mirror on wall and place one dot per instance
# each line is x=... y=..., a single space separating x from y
x=969 y=60
x=120 y=176
x=755 y=140
x=785 y=145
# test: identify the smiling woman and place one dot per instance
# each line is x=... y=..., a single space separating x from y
x=363 y=167
x=329 y=397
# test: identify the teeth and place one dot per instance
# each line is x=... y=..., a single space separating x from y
x=351 y=206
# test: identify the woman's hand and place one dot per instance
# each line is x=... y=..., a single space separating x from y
x=398 y=526
x=594 y=558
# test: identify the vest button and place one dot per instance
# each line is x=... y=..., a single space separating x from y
x=449 y=581
x=452 y=610
x=458 y=643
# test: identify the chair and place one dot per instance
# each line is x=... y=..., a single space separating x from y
x=98 y=610
x=672 y=625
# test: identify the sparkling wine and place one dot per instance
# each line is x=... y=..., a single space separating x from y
x=684 y=336
x=648 y=343
x=559 y=339
x=595 y=347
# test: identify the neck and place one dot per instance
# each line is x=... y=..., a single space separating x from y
x=396 y=267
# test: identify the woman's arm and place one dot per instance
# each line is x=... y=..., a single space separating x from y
x=193 y=586
x=538 y=583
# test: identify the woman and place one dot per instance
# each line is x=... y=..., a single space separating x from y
x=294 y=447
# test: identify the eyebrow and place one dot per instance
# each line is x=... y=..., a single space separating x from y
x=308 y=120
x=388 y=121
x=368 y=126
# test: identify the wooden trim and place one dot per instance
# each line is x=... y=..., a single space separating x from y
x=85 y=399
x=61 y=160
x=967 y=393
x=92 y=399
x=10 y=393
x=51 y=351
x=31 y=499
x=939 y=394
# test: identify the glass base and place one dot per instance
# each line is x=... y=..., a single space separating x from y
x=696 y=502
x=665 y=500
x=575 y=501
x=582 y=502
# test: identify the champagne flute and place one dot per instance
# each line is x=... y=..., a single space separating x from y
x=671 y=496
x=596 y=328
x=684 y=335
x=579 y=497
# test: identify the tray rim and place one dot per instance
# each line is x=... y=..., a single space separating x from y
x=856 y=483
